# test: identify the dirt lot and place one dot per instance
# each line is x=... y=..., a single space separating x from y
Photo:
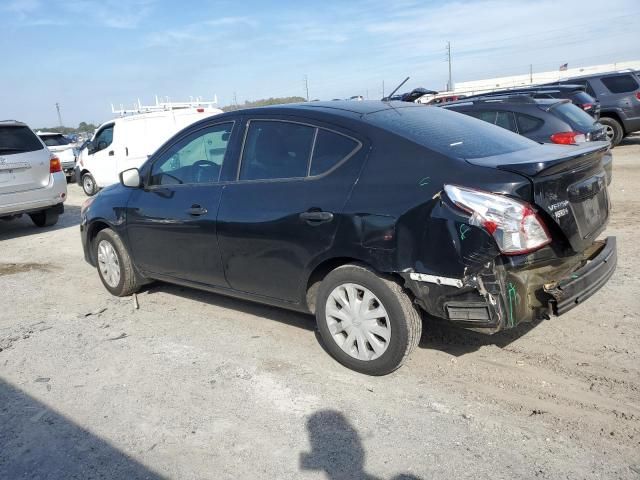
x=194 y=385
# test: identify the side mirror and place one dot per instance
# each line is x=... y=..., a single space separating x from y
x=131 y=178
x=90 y=148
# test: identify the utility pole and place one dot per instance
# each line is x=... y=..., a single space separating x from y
x=449 y=83
x=235 y=101
x=306 y=86
x=367 y=94
x=59 y=116
x=531 y=73
x=382 y=88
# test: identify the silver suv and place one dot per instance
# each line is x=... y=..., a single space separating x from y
x=31 y=178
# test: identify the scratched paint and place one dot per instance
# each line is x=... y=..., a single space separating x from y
x=424 y=181
x=464 y=229
x=512 y=294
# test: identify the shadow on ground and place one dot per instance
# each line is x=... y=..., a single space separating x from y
x=436 y=334
x=336 y=449
x=20 y=227
x=633 y=139
x=37 y=442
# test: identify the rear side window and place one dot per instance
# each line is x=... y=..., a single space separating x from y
x=620 y=83
x=18 y=139
x=527 y=123
x=449 y=133
x=582 y=98
x=574 y=116
x=54 y=140
x=499 y=118
x=330 y=149
x=276 y=150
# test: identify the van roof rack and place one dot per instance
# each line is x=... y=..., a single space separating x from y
x=159 y=106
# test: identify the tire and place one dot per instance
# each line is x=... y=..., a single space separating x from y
x=45 y=218
x=128 y=281
x=614 y=130
x=402 y=323
x=89 y=185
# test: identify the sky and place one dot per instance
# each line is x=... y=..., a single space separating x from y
x=87 y=54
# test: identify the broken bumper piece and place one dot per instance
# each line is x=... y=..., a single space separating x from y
x=584 y=282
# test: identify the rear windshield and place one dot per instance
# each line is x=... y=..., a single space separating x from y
x=620 y=83
x=574 y=116
x=54 y=140
x=449 y=133
x=18 y=139
x=582 y=98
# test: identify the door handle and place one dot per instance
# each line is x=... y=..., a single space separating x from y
x=126 y=151
x=315 y=217
x=196 y=210
x=111 y=153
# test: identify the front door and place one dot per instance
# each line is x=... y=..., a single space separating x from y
x=283 y=210
x=172 y=220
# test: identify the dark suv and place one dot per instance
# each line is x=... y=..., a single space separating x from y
x=576 y=93
x=619 y=96
x=365 y=214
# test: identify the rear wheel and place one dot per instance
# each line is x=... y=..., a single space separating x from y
x=45 y=218
x=89 y=184
x=613 y=129
x=367 y=322
x=115 y=267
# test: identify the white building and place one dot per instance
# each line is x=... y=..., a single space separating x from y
x=479 y=86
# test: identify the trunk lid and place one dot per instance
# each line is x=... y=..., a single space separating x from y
x=569 y=185
x=24 y=161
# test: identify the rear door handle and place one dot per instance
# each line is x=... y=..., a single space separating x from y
x=316 y=217
x=196 y=210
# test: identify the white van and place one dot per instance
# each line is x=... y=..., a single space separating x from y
x=128 y=141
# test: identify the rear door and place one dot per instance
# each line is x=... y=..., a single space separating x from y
x=24 y=160
x=281 y=212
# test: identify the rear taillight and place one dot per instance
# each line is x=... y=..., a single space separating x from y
x=638 y=95
x=587 y=106
x=515 y=226
x=200 y=110
x=54 y=164
x=568 y=138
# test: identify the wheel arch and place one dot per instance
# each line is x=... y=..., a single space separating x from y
x=93 y=229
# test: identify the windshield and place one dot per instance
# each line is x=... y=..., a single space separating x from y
x=574 y=116
x=54 y=140
x=18 y=139
x=450 y=133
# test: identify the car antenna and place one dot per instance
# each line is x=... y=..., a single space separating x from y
x=397 y=88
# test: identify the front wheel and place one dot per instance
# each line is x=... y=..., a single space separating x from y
x=367 y=321
x=89 y=185
x=115 y=267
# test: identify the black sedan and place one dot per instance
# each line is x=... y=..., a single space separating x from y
x=366 y=214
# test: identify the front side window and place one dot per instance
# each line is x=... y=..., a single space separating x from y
x=620 y=83
x=103 y=139
x=330 y=149
x=276 y=150
x=196 y=159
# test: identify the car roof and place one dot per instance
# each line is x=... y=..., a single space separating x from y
x=506 y=99
x=602 y=74
x=12 y=123
x=341 y=108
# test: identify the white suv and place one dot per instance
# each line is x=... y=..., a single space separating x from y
x=63 y=149
x=31 y=178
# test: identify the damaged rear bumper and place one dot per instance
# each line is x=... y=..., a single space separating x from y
x=585 y=281
x=503 y=295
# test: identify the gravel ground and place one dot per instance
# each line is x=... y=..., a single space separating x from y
x=194 y=385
